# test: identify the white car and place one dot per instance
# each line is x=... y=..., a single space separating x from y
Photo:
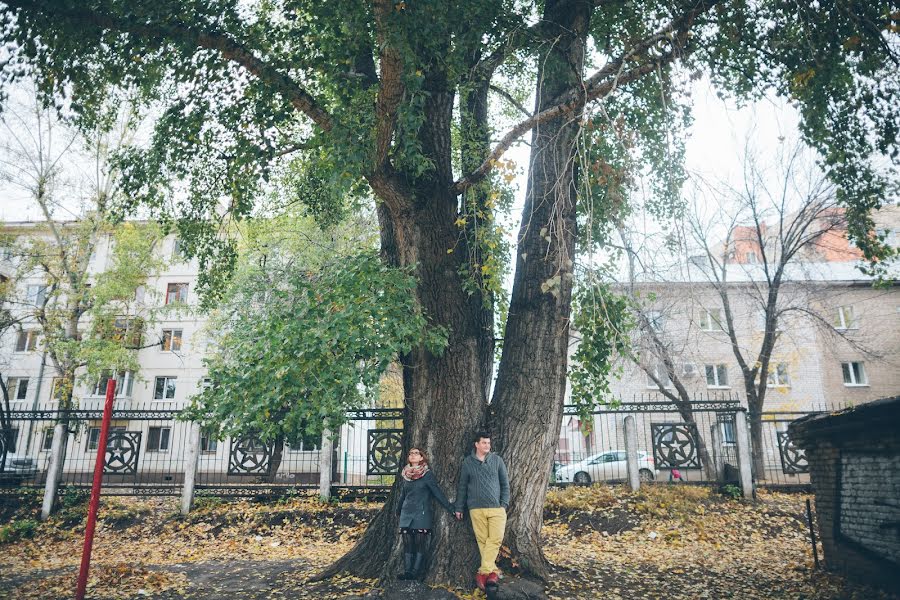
x=606 y=466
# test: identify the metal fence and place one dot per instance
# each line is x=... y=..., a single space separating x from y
x=148 y=444
x=696 y=440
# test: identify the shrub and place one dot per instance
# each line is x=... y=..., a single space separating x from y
x=16 y=530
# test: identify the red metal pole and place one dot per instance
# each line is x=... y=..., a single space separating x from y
x=95 y=491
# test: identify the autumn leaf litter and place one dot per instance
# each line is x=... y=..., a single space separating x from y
x=663 y=542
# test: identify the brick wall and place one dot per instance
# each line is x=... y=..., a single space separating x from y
x=854 y=459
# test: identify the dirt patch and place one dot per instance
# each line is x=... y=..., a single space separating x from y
x=608 y=521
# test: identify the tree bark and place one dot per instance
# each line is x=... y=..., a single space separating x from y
x=531 y=380
x=756 y=441
x=687 y=415
x=444 y=395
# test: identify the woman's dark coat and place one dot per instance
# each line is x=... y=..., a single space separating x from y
x=415 y=501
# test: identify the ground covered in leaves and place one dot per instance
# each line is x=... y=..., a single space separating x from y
x=663 y=542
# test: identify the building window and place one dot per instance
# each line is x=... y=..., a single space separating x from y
x=854 y=373
x=662 y=375
x=126 y=331
x=158 y=439
x=303 y=442
x=124 y=384
x=36 y=295
x=178 y=254
x=750 y=258
x=778 y=376
x=164 y=389
x=17 y=387
x=12 y=439
x=176 y=292
x=56 y=389
x=26 y=341
x=711 y=319
x=845 y=318
x=717 y=376
x=94 y=437
x=761 y=321
x=171 y=340
x=47 y=441
x=208 y=443
x=655 y=320
x=728 y=435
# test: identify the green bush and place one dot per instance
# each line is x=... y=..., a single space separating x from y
x=16 y=530
x=73 y=497
x=731 y=491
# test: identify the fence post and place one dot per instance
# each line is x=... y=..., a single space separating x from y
x=634 y=476
x=191 y=460
x=326 y=451
x=715 y=434
x=54 y=470
x=742 y=435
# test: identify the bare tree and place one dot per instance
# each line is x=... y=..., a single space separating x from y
x=785 y=221
x=657 y=350
x=88 y=323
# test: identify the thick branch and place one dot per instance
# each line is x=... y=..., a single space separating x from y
x=599 y=85
x=175 y=31
x=391 y=89
x=519 y=38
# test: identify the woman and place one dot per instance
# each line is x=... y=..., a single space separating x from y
x=416 y=488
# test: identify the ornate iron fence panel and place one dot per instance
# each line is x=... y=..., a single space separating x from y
x=5 y=436
x=384 y=446
x=793 y=459
x=675 y=445
x=249 y=456
x=123 y=448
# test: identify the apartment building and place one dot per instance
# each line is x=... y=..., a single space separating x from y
x=838 y=340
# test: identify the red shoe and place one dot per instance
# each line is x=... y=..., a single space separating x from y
x=480 y=580
x=492 y=579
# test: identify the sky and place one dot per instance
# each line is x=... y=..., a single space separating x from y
x=716 y=140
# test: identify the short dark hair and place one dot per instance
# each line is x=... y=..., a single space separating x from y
x=479 y=435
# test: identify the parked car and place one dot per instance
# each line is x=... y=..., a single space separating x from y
x=19 y=465
x=606 y=466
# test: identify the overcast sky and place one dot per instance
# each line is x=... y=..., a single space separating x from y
x=717 y=139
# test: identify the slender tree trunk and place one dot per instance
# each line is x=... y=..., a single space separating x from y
x=687 y=415
x=531 y=380
x=756 y=442
x=275 y=460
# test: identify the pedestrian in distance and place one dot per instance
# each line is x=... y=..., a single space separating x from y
x=483 y=489
x=417 y=487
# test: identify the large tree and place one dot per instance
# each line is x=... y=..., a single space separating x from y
x=391 y=99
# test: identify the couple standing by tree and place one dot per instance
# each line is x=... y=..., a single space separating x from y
x=483 y=489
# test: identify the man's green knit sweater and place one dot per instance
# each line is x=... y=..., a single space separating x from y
x=482 y=484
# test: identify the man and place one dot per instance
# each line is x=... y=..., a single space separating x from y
x=484 y=489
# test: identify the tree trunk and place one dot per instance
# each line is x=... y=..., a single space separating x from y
x=444 y=395
x=756 y=443
x=275 y=460
x=531 y=380
x=687 y=416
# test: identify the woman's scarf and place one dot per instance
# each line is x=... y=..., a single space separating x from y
x=411 y=473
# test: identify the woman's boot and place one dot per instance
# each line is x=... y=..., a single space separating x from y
x=408 y=563
x=418 y=566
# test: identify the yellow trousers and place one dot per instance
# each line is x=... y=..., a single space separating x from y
x=489 y=525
